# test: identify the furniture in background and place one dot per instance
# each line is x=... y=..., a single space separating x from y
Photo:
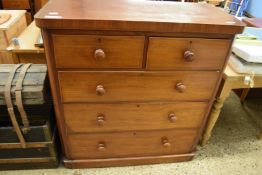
x=133 y=89
x=253 y=22
x=236 y=7
x=231 y=80
x=31 y=7
x=215 y=2
x=26 y=51
x=20 y=5
x=8 y=30
x=28 y=137
x=257 y=23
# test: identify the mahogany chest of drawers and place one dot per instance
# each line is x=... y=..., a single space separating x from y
x=133 y=81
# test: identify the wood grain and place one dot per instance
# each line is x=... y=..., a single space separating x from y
x=6 y=57
x=77 y=51
x=135 y=116
x=131 y=144
x=36 y=58
x=168 y=53
x=136 y=86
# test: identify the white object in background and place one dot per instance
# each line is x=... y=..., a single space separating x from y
x=243 y=67
x=248 y=50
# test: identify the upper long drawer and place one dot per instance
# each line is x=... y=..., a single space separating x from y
x=81 y=86
x=186 y=53
x=92 y=51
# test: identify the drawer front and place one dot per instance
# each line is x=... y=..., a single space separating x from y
x=113 y=145
x=186 y=53
x=91 y=51
x=136 y=116
x=137 y=86
x=16 y=4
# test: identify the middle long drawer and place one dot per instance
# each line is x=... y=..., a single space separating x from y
x=85 y=86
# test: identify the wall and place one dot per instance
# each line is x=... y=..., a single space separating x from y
x=255 y=8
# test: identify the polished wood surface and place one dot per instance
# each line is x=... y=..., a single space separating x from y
x=88 y=118
x=136 y=15
x=82 y=51
x=186 y=53
x=137 y=86
x=118 y=100
x=39 y=4
x=131 y=144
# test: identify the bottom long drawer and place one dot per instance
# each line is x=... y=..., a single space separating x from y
x=125 y=144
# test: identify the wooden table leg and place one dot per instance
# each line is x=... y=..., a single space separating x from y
x=244 y=94
x=216 y=109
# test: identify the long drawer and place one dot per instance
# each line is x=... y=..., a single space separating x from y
x=88 y=118
x=113 y=145
x=92 y=51
x=186 y=53
x=83 y=86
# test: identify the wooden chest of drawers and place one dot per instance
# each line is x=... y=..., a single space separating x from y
x=133 y=85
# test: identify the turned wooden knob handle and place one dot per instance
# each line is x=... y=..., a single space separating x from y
x=101 y=119
x=189 y=55
x=99 y=54
x=100 y=90
x=101 y=146
x=165 y=142
x=180 y=87
x=172 y=117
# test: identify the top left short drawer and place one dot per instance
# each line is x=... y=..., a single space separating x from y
x=93 y=51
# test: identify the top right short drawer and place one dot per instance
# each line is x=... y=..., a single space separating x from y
x=187 y=53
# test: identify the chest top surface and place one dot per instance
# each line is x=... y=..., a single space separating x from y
x=137 y=15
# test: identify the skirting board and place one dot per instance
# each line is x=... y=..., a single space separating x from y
x=114 y=162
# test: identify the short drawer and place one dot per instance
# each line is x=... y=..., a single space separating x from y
x=113 y=145
x=186 y=53
x=92 y=51
x=83 y=86
x=16 y=4
x=135 y=116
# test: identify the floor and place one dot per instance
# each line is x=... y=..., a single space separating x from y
x=233 y=149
